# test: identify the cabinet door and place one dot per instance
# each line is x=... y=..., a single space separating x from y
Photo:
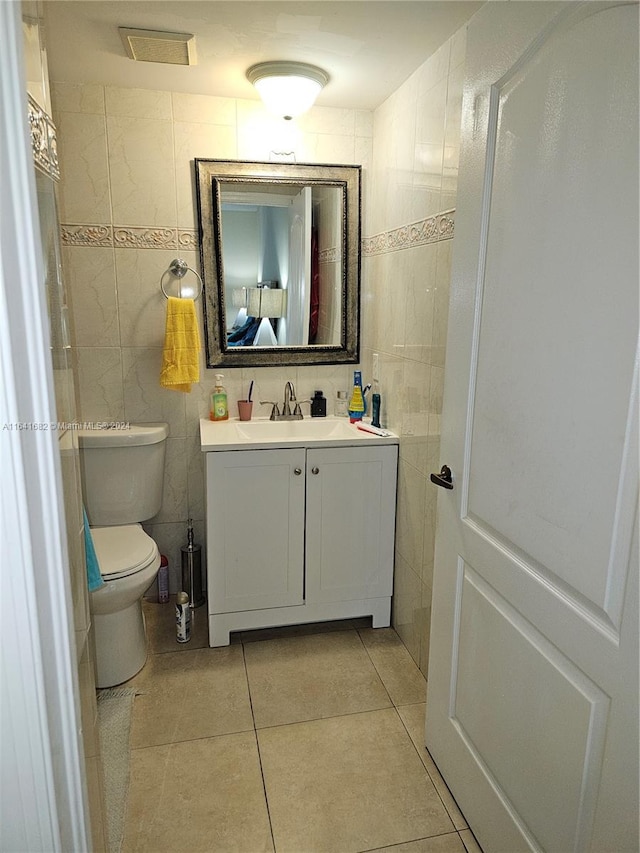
x=351 y=508
x=255 y=529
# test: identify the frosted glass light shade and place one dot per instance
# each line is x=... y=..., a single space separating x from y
x=265 y=302
x=287 y=89
x=239 y=297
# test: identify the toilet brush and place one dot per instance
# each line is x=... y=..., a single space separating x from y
x=192 y=569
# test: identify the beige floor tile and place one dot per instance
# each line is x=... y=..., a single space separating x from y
x=347 y=784
x=397 y=669
x=310 y=677
x=204 y=795
x=160 y=620
x=449 y=843
x=413 y=718
x=187 y=695
x=469 y=841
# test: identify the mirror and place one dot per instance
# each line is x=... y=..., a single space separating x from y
x=280 y=257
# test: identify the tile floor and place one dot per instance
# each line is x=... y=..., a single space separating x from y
x=298 y=740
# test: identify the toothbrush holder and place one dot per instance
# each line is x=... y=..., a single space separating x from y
x=245 y=409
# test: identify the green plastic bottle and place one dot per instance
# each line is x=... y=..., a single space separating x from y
x=219 y=408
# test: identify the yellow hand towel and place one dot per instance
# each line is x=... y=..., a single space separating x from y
x=180 y=357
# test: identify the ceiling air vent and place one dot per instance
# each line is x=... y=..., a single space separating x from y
x=157 y=46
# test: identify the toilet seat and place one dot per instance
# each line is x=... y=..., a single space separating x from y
x=123 y=550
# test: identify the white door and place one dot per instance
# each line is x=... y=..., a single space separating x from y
x=299 y=282
x=532 y=709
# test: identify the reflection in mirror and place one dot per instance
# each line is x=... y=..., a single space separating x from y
x=280 y=260
x=272 y=240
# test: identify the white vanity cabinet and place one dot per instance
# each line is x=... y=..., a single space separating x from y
x=299 y=535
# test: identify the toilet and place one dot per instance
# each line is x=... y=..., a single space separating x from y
x=122 y=472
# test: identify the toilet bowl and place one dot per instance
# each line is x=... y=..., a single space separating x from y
x=129 y=560
x=122 y=474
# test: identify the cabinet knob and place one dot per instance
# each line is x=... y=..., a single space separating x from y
x=315 y=470
x=297 y=471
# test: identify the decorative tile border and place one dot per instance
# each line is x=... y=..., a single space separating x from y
x=145 y=238
x=431 y=230
x=187 y=239
x=329 y=256
x=86 y=235
x=127 y=237
x=438 y=227
x=43 y=140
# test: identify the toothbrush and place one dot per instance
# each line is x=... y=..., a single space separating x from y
x=372 y=429
x=364 y=396
x=250 y=391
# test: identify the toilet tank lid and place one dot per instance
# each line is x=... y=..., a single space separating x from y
x=125 y=435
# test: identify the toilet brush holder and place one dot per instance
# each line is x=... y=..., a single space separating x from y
x=192 y=574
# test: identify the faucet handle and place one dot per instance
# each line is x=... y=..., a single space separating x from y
x=297 y=410
x=274 y=410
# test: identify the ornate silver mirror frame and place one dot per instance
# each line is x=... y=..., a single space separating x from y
x=220 y=179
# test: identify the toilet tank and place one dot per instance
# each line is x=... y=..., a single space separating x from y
x=122 y=472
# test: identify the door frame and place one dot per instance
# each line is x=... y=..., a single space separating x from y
x=44 y=802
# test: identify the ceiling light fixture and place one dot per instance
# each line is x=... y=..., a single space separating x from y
x=287 y=89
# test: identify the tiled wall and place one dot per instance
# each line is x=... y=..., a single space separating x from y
x=128 y=208
x=409 y=220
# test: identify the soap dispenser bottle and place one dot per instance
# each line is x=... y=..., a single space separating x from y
x=318 y=405
x=356 y=402
x=219 y=409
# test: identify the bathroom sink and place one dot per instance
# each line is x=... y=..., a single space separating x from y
x=316 y=428
x=264 y=433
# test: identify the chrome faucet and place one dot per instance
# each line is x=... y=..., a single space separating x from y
x=289 y=400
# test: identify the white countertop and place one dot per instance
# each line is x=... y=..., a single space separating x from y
x=262 y=433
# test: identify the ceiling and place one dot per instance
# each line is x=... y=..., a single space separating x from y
x=368 y=47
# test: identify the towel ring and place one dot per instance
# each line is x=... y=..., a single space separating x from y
x=179 y=268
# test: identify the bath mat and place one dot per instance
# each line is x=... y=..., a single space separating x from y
x=115 y=708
